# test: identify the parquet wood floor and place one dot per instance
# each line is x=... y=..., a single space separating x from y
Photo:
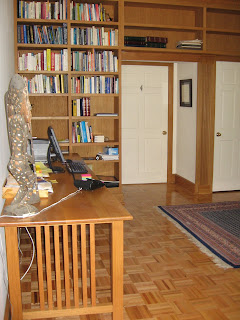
x=166 y=277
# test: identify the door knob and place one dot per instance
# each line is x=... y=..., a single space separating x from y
x=164 y=132
x=218 y=134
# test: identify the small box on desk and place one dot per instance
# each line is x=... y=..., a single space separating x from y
x=111 y=151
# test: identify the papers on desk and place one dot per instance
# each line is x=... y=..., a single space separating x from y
x=42 y=170
x=11 y=187
x=44 y=185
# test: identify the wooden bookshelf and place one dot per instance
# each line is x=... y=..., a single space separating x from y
x=55 y=109
x=216 y=23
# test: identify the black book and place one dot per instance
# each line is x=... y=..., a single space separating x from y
x=131 y=38
x=64 y=33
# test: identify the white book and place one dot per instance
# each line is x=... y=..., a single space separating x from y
x=64 y=9
x=71 y=8
x=111 y=61
x=35 y=62
x=106 y=114
x=41 y=84
x=105 y=39
x=56 y=62
x=28 y=61
x=60 y=11
x=48 y=85
x=45 y=59
x=38 y=10
x=39 y=61
x=116 y=37
x=65 y=59
x=55 y=14
x=87 y=131
x=78 y=108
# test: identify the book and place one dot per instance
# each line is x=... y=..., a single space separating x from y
x=106 y=114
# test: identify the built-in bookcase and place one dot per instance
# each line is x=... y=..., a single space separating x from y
x=69 y=53
x=74 y=50
x=216 y=24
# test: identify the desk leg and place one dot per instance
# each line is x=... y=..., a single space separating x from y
x=117 y=269
x=13 y=272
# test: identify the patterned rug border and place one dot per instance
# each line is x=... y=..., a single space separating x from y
x=204 y=247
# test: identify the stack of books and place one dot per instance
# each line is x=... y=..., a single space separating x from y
x=99 y=138
x=190 y=44
x=152 y=42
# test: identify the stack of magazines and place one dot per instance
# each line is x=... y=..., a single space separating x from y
x=190 y=44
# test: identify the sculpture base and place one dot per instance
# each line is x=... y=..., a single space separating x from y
x=20 y=210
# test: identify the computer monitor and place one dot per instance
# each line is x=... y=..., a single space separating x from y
x=55 y=148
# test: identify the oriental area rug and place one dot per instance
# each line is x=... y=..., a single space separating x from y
x=213 y=227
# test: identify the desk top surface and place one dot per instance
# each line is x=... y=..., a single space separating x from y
x=98 y=206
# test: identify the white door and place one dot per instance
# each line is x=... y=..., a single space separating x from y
x=226 y=173
x=144 y=124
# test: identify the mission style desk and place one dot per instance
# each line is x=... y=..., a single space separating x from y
x=65 y=258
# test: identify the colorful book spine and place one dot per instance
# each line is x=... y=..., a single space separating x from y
x=42 y=10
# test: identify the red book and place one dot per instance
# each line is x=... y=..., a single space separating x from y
x=42 y=61
x=88 y=107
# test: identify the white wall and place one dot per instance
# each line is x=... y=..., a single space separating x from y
x=185 y=139
x=7 y=71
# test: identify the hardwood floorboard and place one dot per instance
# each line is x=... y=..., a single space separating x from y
x=166 y=276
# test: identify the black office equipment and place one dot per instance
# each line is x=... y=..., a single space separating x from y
x=89 y=184
x=76 y=167
x=72 y=166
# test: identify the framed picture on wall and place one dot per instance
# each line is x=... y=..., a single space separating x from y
x=186 y=93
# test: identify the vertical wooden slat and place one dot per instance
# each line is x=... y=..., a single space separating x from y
x=117 y=269
x=48 y=267
x=84 y=264
x=66 y=265
x=40 y=266
x=13 y=272
x=205 y=125
x=92 y=264
x=170 y=178
x=57 y=267
x=75 y=265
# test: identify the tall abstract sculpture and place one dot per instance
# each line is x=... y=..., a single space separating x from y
x=18 y=109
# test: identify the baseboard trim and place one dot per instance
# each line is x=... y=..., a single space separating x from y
x=184 y=183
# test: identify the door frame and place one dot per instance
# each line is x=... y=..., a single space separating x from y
x=170 y=175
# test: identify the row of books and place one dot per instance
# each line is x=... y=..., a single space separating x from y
x=152 y=42
x=87 y=12
x=46 y=60
x=33 y=34
x=94 y=36
x=81 y=107
x=105 y=61
x=81 y=132
x=95 y=84
x=42 y=10
x=47 y=84
x=190 y=44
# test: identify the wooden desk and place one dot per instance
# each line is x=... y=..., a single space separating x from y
x=65 y=239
